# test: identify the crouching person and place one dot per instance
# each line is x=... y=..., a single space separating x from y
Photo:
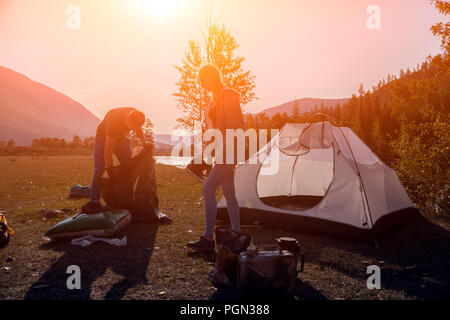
x=224 y=113
x=112 y=137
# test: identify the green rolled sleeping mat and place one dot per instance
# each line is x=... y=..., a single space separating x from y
x=104 y=224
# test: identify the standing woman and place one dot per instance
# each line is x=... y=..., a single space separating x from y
x=112 y=138
x=224 y=113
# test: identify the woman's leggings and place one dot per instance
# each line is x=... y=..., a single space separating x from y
x=221 y=175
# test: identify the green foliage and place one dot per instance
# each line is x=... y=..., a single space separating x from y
x=190 y=98
x=295 y=111
x=76 y=142
x=422 y=163
x=220 y=47
x=56 y=143
x=405 y=120
x=442 y=29
x=147 y=129
x=49 y=143
x=88 y=143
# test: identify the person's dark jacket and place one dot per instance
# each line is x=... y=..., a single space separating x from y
x=227 y=114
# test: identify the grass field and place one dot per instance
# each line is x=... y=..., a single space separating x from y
x=414 y=261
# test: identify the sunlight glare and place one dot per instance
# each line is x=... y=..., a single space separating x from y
x=159 y=9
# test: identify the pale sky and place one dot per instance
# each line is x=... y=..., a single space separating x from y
x=124 y=52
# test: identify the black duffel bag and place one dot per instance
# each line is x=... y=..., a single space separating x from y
x=133 y=187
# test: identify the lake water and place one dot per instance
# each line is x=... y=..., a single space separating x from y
x=179 y=162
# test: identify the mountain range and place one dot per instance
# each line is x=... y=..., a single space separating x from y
x=304 y=105
x=29 y=109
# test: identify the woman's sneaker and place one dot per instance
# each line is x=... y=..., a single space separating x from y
x=199 y=171
x=202 y=245
x=92 y=208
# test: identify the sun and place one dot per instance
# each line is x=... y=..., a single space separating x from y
x=158 y=8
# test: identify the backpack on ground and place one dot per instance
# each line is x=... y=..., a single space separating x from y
x=229 y=244
x=133 y=187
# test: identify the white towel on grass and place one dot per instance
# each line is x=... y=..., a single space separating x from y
x=86 y=241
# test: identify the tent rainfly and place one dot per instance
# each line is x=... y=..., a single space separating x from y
x=321 y=178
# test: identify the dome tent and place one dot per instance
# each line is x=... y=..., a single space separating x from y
x=320 y=177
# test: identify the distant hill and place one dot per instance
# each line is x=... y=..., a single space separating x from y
x=166 y=139
x=304 y=105
x=29 y=110
x=164 y=143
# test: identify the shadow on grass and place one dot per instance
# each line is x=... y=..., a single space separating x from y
x=414 y=259
x=302 y=291
x=232 y=293
x=130 y=262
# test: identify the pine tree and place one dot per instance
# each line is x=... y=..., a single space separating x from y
x=295 y=111
x=337 y=113
x=76 y=142
x=378 y=145
x=249 y=121
x=11 y=143
x=361 y=90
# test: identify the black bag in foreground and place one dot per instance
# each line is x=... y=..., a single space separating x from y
x=229 y=244
x=133 y=187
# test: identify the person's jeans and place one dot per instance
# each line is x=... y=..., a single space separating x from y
x=221 y=175
x=122 y=151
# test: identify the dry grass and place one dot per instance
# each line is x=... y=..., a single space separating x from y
x=156 y=265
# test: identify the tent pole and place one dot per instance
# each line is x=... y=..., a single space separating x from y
x=359 y=176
